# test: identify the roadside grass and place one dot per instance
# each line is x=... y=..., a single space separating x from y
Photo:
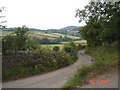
x=104 y=58
x=78 y=77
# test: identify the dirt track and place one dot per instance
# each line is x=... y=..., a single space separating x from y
x=55 y=79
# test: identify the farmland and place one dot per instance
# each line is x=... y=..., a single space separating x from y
x=4 y=33
x=61 y=45
x=82 y=42
x=51 y=36
x=43 y=35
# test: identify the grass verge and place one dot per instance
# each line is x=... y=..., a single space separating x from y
x=105 y=58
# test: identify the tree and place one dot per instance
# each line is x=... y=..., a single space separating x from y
x=8 y=43
x=15 y=41
x=102 y=22
x=21 y=37
x=70 y=48
x=44 y=41
x=1 y=26
x=1 y=16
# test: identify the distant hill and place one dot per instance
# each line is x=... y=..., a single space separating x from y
x=33 y=29
x=69 y=30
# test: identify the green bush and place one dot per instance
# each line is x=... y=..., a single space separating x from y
x=8 y=43
x=70 y=48
x=81 y=47
x=115 y=44
x=56 y=48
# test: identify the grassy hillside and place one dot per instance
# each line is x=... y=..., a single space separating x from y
x=43 y=35
x=70 y=32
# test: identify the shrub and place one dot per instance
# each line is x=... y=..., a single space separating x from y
x=70 y=47
x=80 y=47
x=44 y=41
x=39 y=61
x=56 y=48
x=115 y=44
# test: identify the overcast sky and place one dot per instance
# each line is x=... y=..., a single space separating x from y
x=42 y=14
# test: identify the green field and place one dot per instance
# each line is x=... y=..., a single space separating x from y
x=58 y=35
x=52 y=45
x=40 y=36
x=4 y=33
x=82 y=42
x=43 y=35
x=52 y=35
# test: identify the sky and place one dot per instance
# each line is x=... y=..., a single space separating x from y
x=42 y=14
